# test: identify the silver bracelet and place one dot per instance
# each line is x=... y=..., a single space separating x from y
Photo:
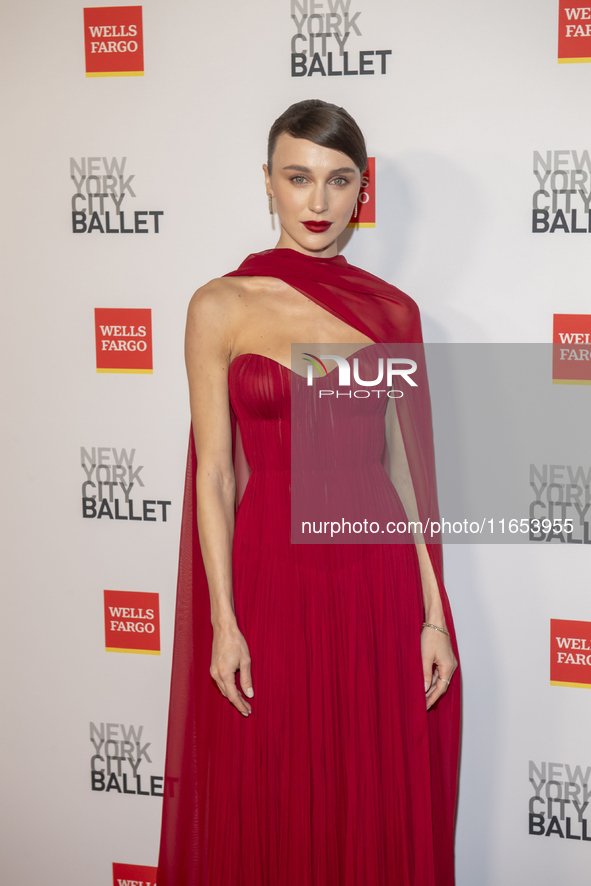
x=435 y=628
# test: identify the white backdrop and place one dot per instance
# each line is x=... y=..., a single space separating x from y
x=471 y=90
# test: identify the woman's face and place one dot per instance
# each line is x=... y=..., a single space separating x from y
x=315 y=190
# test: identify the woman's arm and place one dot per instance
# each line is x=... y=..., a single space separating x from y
x=436 y=648
x=207 y=356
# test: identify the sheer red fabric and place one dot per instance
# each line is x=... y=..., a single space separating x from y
x=340 y=776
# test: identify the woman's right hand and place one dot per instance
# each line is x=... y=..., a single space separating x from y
x=230 y=654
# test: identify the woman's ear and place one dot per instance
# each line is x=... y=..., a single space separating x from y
x=267 y=179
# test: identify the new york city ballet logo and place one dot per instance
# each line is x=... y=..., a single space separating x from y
x=571 y=350
x=574 y=33
x=120 y=756
x=132 y=622
x=570 y=653
x=560 y=510
x=562 y=192
x=100 y=202
x=114 y=41
x=364 y=214
x=111 y=482
x=325 y=42
x=394 y=368
x=134 y=875
x=559 y=801
x=123 y=338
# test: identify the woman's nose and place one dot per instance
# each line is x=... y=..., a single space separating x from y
x=318 y=202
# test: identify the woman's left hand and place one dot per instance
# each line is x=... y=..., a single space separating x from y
x=439 y=663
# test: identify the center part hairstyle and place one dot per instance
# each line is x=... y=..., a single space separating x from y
x=324 y=124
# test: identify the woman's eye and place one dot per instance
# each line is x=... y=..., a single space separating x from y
x=302 y=180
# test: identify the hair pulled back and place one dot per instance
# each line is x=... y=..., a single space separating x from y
x=324 y=124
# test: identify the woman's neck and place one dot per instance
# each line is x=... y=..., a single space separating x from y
x=287 y=242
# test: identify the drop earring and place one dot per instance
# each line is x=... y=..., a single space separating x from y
x=355 y=212
x=270 y=196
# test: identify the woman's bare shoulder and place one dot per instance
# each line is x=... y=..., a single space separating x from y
x=216 y=304
x=216 y=296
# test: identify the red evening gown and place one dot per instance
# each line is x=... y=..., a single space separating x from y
x=340 y=777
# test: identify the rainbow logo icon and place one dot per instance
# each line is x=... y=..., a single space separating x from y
x=315 y=361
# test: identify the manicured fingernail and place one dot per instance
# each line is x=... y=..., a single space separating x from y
x=244 y=713
x=249 y=692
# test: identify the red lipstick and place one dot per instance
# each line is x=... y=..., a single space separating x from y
x=317 y=227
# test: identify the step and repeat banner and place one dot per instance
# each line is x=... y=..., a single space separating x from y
x=133 y=140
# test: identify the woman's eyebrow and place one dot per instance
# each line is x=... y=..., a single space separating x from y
x=340 y=171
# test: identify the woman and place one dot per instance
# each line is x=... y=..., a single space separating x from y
x=309 y=743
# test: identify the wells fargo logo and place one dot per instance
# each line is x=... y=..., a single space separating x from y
x=123 y=340
x=134 y=875
x=114 y=41
x=132 y=622
x=574 y=33
x=571 y=351
x=364 y=214
x=570 y=653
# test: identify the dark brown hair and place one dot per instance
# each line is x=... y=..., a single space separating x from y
x=324 y=124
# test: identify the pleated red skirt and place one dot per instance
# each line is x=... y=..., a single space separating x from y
x=340 y=777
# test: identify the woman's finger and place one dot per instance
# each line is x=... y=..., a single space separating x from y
x=233 y=695
x=245 y=702
x=245 y=678
x=218 y=682
x=433 y=684
x=428 y=672
x=443 y=683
